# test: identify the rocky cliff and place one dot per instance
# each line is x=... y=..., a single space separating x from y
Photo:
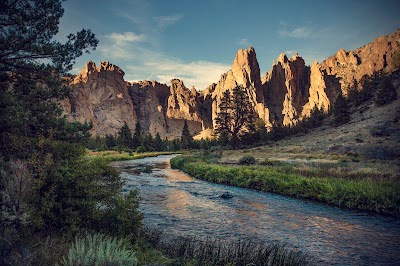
x=245 y=71
x=348 y=66
x=162 y=109
x=100 y=95
x=286 y=94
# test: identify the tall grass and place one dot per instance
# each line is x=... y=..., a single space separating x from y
x=367 y=193
x=217 y=252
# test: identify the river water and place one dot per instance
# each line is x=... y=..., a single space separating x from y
x=183 y=206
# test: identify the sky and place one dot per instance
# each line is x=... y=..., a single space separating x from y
x=197 y=40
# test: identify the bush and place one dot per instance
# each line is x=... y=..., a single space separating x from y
x=247 y=160
x=147 y=169
x=141 y=149
x=99 y=250
x=121 y=216
x=386 y=93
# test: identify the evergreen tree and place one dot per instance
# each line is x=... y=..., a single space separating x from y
x=65 y=187
x=158 y=143
x=223 y=119
x=341 y=112
x=396 y=59
x=316 y=117
x=261 y=129
x=30 y=89
x=175 y=145
x=125 y=136
x=354 y=94
x=186 y=137
x=148 y=142
x=110 y=141
x=137 y=136
x=235 y=116
x=386 y=93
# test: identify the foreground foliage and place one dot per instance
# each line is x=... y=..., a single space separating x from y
x=379 y=195
x=217 y=252
x=99 y=250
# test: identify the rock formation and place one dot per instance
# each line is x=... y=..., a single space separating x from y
x=100 y=95
x=364 y=61
x=163 y=109
x=285 y=95
x=286 y=88
x=245 y=71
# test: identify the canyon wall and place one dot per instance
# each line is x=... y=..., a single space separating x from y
x=284 y=95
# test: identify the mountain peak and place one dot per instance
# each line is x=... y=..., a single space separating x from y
x=245 y=67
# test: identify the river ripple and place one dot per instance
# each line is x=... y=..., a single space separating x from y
x=181 y=205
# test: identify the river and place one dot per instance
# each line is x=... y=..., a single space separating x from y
x=183 y=206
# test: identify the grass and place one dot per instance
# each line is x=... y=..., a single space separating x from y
x=209 y=252
x=191 y=251
x=151 y=247
x=327 y=184
x=124 y=156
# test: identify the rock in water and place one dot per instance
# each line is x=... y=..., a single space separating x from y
x=227 y=195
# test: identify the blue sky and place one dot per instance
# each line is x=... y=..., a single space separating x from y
x=196 y=41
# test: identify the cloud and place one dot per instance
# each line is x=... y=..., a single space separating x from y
x=290 y=52
x=141 y=61
x=162 y=68
x=165 y=21
x=126 y=37
x=116 y=46
x=244 y=42
x=297 y=33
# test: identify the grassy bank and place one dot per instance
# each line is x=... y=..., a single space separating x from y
x=124 y=156
x=364 y=192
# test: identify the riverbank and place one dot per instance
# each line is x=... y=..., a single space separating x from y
x=112 y=155
x=325 y=183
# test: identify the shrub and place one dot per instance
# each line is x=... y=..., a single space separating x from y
x=121 y=216
x=247 y=160
x=99 y=250
x=147 y=169
x=141 y=149
x=386 y=93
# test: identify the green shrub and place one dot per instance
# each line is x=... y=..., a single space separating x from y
x=247 y=160
x=121 y=216
x=141 y=149
x=147 y=169
x=99 y=250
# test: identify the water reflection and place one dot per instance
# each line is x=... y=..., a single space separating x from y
x=185 y=206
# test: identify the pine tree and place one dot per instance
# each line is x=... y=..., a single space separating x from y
x=341 y=111
x=158 y=143
x=148 y=142
x=235 y=116
x=242 y=114
x=137 y=136
x=261 y=132
x=223 y=119
x=386 y=93
x=186 y=137
x=125 y=136
x=65 y=187
x=110 y=141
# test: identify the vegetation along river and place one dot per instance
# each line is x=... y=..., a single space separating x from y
x=183 y=206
